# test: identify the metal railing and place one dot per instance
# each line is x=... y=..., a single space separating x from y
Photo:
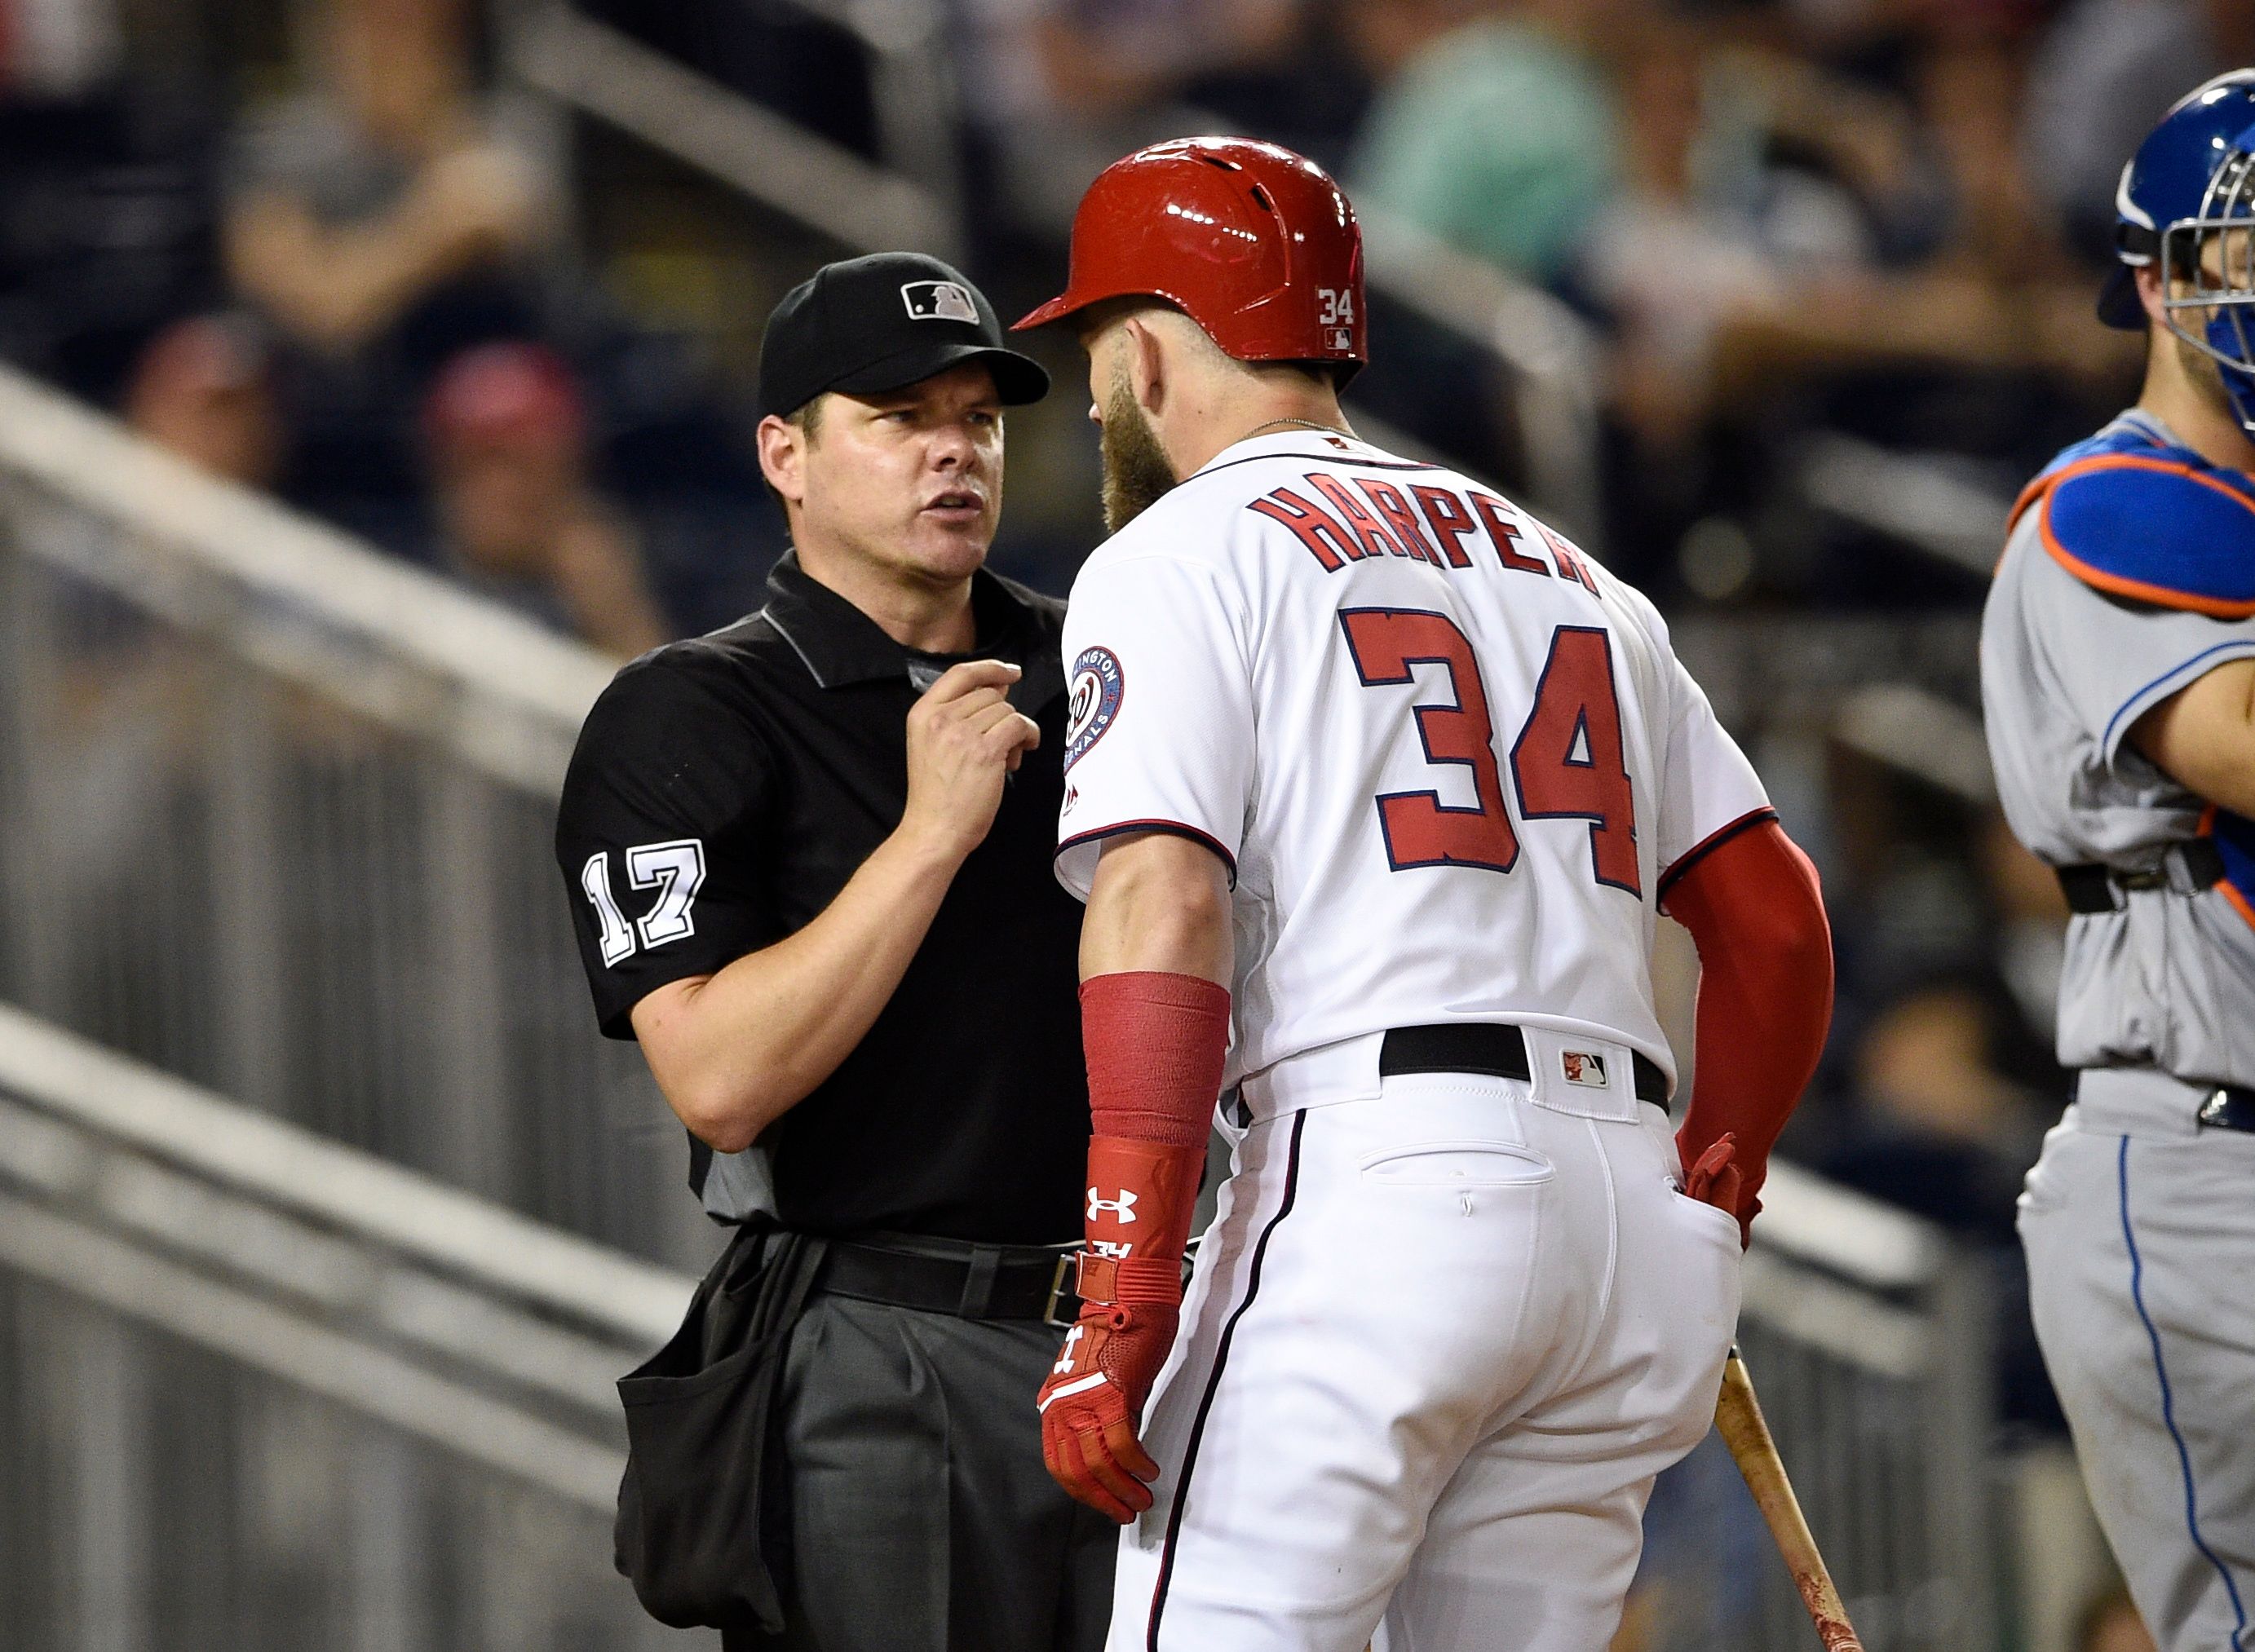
x=1926 y=501
x=341 y=1379
x=593 y=67
x=1550 y=365
x=1869 y=1337
x=260 y=1391
x=374 y=1411
x=276 y=815
x=1545 y=355
x=1549 y=359
x=345 y=1378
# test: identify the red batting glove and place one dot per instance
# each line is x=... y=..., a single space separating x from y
x=1716 y=1179
x=1093 y=1399
x=1131 y=1291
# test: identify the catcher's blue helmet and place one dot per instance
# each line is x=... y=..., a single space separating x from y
x=2166 y=180
x=2192 y=182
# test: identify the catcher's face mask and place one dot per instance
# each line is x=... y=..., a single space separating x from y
x=2209 y=265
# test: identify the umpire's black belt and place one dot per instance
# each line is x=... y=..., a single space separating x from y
x=1480 y=1046
x=2188 y=867
x=952 y=1276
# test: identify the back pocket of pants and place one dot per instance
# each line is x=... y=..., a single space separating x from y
x=1718 y=1221
x=1456 y=1165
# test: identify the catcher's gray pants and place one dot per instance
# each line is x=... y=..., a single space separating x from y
x=917 y=1514
x=2141 y=1237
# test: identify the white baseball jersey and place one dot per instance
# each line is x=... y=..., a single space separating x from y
x=1452 y=764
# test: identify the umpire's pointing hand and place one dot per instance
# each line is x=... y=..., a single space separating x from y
x=964 y=738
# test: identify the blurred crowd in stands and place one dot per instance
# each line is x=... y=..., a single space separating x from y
x=348 y=280
x=1882 y=218
x=330 y=249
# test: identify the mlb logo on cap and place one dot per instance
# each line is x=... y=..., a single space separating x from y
x=939 y=301
x=1583 y=1068
x=857 y=328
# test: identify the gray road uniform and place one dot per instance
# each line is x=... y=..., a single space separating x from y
x=2129 y=573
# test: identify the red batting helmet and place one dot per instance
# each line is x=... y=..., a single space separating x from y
x=1256 y=244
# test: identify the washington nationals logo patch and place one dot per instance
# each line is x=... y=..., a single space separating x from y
x=1096 y=687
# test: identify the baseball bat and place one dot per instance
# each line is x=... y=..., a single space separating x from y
x=1739 y=1419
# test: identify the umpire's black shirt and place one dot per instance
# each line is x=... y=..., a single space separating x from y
x=724 y=790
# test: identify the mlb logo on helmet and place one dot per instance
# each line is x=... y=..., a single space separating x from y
x=939 y=301
x=1583 y=1068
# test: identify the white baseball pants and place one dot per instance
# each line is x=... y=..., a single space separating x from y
x=1439 y=1341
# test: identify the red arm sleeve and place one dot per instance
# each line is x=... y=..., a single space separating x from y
x=1156 y=1044
x=1756 y=914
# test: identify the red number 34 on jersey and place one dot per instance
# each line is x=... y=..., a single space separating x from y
x=1567 y=761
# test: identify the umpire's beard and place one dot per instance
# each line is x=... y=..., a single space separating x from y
x=1136 y=470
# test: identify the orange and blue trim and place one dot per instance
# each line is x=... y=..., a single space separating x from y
x=2153 y=530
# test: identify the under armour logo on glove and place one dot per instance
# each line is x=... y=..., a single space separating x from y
x=1091 y=1399
x=1123 y=1207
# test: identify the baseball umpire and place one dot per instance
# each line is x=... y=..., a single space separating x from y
x=809 y=855
x=2117 y=672
x=1455 y=1310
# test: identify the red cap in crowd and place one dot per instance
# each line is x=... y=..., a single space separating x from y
x=505 y=395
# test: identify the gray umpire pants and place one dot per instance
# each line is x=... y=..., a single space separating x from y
x=2141 y=1236
x=913 y=1512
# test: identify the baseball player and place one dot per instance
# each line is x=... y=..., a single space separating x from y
x=2117 y=671
x=1375 y=787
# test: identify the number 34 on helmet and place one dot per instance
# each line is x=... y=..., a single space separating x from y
x=1256 y=244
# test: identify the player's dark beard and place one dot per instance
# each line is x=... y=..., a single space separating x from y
x=1137 y=473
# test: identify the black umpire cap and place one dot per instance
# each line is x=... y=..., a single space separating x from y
x=869 y=324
